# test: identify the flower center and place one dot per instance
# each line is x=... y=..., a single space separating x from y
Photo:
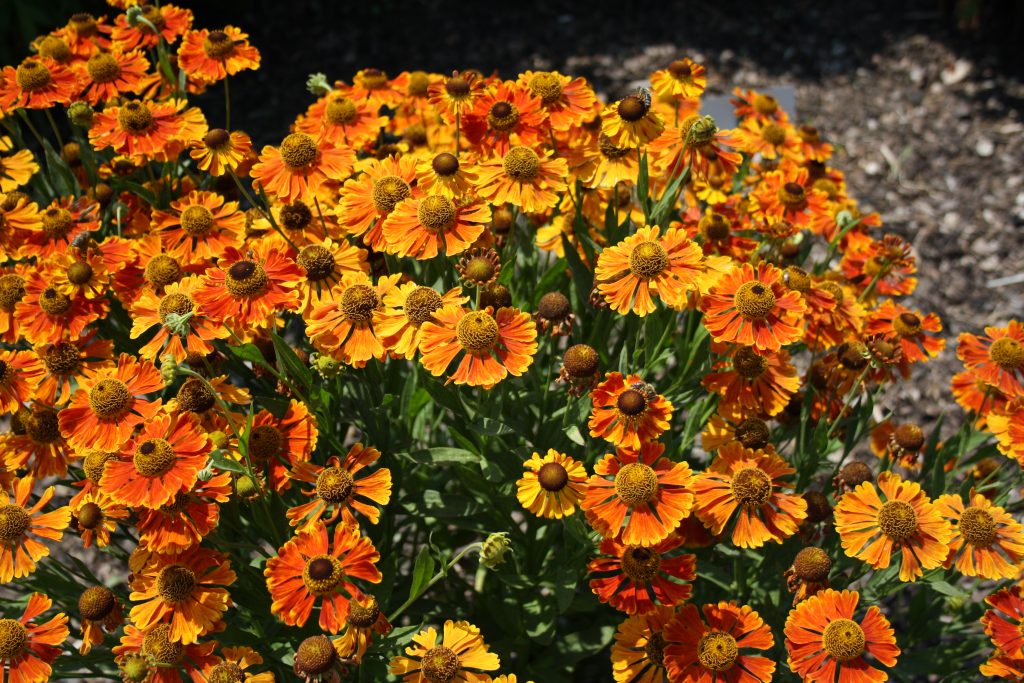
x=843 y=640
x=547 y=86
x=717 y=651
x=226 y=672
x=812 y=564
x=751 y=487
x=445 y=164
x=318 y=262
x=373 y=79
x=33 y=75
x=12 y=290
x=340 y=111
x=1007 y=353
x=13 y=639
x=315 y=655
x=440 y=665
x=792 y=195
x=766 y=105
x=53 y=302
x=421 y=304
x=176 y=304
x=977 y=527
x=265 y=442
x=636 y=484
x=83 y=23
x=632 y=108
x=154 y=458
x=753 y=432
x=773 y=134
x=175 y=583
x=754 y=300
x=581 y=360
x=153 y=15
x=93 y=464
x=680 y=70
x=157 y=644
x=835 y=290
x=698 y=131
x=109 y=398
x=246 y=278
x=42 y=425
x=359 y=302
x=363 y=616
x=298 y=150
x=648 y=260
x=797 y=279
x=477 y=332
x=503 y=116
x=655 y=650
x=196 y=220
x=436 y=213
x=631 y=403
x=419 y=83
x=162 y=270
x=218 y=45
x=388 y=191
x=897 y=520
x=79 y=273
x=322 y=574
x=96 y=603
x=715 y=227
x=90 y=516
x=907 y=324
x=135 y=668
x=457 y=87
x=554 y=307
x=640 y=564
x=909 y=437
x=749 y=364
x=521 y=164
x=14 y=521
x=57 y=222
x=610 y=151
x=296 y=216
x=552 y=477
x=334 y=485
x=135 y=117
x=217 y=139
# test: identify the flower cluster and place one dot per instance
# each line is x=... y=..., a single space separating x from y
x=637 y=363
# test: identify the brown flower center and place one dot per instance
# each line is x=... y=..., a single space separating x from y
x=13 y=639
x=909 y=437
x=547 y=86
x=680 y=69
x=90 y=516
x=521 y=164
x=552 y=477
x=109 y=398
x=341 y=111
x=717 y=651
x=640 y=564
x=265 y=442
x=654 y=650
x=363 y=616
x=162 y=270
x=33 y=75
x=57 y=222
x=554 y=307
x=388 y=191
x=298 y=150
x=94 y=463
x=907 y=324
x=636 y=484
x=154 y=457
x=42 y=426
x=751 y=487
x=135 y=117
x=359 y=302
x=1007 y=353
x=12 y=290
x=102 y=67
x=440 y=665
x=477 y=332
x=897 y=520
x=218 y=45
x=445 y=164
x=195 y=396
x=753 y=432
x=844 y=640
x=53 y=302
x=334 y=485
x=773 y=134
x=177 y=304
x=158 y=646
x=196 y=220
x=503 y=116
x=296 y=216
x=631 y=403
x=175 y=583
x=14 y=521
x=648 y=260
x=754 y=300
x=317 y=261
x=217 y=139
x=749 y=364
x=246 y=278
x=96 y=603
x=978 y=527
x=322 y=574
x=437 y=213
x=812 y=564
x=581 y=360
x=226 y=672
x=314 y=656
x=631 y=108
x=420 y=305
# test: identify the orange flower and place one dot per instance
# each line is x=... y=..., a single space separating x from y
x=20 y=375
x=603 y=165
x=461 y=656
x=38 y=83
x=638 y=650
x=753 y=307
x=372 y=86
x=344 y=325
x=503 y=116
x=337 y=492
x=823 y=640
x=456 y=94
x=164 y=459
x=28 y=649
x=568 y=101
x=220 y=152
x=367 y=199
x=651 y=489
x=1004 y=623
x=406 y=307
x=154 y=658
x=986 y=541
x=188 y=518
x=108 y=75
x=63 y=221
x=199 y=227
x=752 y=384
x=906 y=521
x=17 y=168
x=493 y=345
x=697 y=144
x=894 y=319
x=234 y=666
x=308 y=568
x=35 y=443
x=785 y=195
x=632 y=122
x=182 y=327
x=364 y=618
x=423 y=227
x=214 y=55
x=22 y=526
x=996 y=358
x=67 y=360
x=682 y=79
x=277 y=444
x=96 y=515
x=257 y=284
x=748 y=481
x=18 y=215
x=647 y=263
x=886 y=265
x=107 y=406
x=628 y=412
x=326 y=264
x=444 y=174
x=168 y=21
x=147 y=128
x=99 y=611
x=769 y=139
x=300 y=166
x=524 y=178
x=716 y=647
x=46 y=315
x=84 y=33
x=187 y=591
x=636 y=580
x=342 y=121
x=552 y=485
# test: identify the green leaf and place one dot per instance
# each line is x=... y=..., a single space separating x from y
x=291 y=365
x=422 y=572
x=249 y=353
x=226 y=464
x=491 y=427
x=574 y=434
x=443 y=454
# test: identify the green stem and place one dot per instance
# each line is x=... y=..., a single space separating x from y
x=56 y=131
x=227 y=104
x=437 y=577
